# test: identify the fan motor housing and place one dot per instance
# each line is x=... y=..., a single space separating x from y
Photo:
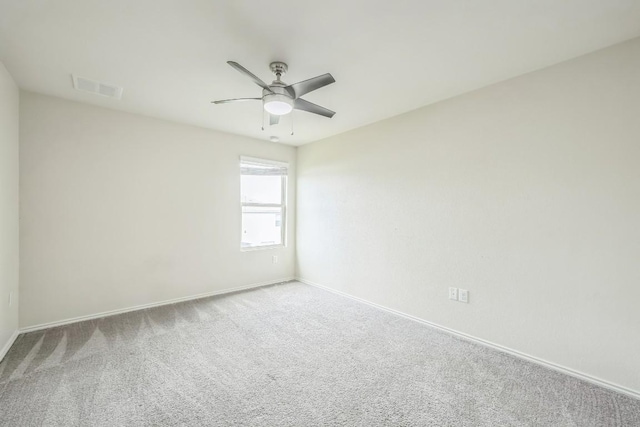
x=277 y=88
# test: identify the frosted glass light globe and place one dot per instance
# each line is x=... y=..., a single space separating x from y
x=278 y=104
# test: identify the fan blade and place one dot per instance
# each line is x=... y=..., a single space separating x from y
x=252 y=76
x=298 y=89
x=273 y=119
x=301 y=104
x=228 y=101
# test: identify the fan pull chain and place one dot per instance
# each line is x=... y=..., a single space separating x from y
x=292 y=123
x=263 y=119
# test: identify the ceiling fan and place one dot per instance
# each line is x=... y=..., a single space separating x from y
x=278 y=98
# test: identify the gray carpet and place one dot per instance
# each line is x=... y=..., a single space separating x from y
x=284 y=355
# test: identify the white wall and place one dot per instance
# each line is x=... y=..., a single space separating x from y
x=526 y=193
x=8 y=207
x=119 y=210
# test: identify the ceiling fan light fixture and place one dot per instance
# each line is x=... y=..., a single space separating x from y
x=278 y=104
x=278 y=98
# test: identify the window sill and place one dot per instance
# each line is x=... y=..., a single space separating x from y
x=262 y=248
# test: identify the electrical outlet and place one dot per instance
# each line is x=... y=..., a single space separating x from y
x=275 y=259
x=453 y=294
x=463 y=295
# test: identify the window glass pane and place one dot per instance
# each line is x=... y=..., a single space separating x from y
x=261 y=189
x=261 y=226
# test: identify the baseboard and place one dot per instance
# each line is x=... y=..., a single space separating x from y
x=9 y=343
x=545 y=363
x=150 y=305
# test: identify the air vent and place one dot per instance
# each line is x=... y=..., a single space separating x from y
x=95 y=87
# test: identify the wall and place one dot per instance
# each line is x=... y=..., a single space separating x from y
x=9 y=100
x=119 y=210
x=526 y=193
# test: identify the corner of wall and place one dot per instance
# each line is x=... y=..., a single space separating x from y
x=9 y=204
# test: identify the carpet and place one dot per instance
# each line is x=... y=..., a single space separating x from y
x=284 y=355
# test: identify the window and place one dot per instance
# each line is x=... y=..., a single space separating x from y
x=263 y=191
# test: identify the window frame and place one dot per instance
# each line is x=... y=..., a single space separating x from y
x=282 y=205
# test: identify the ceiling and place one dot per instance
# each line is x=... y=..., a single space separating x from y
x=387 y=57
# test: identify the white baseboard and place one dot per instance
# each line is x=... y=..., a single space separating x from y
x=545 y=363
x=8 y=344
x=150 y=305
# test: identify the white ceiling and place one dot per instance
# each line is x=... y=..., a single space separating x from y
x=388 y=57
